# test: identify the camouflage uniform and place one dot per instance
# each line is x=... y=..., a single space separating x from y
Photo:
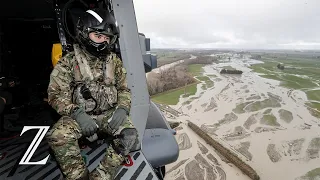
x=107 y=83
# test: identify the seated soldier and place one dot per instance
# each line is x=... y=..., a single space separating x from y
x=88 y=87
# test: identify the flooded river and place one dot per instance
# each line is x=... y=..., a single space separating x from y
x=268 y=126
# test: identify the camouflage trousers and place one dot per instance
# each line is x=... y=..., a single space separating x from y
x=63 y=139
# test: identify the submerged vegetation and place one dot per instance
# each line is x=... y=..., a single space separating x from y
x=269 y=119
x=240 y=107
x=259 y=105
x=300 y=72
x=313 y=174
x=285 y=115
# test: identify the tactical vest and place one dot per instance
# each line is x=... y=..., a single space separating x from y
x=94 y=87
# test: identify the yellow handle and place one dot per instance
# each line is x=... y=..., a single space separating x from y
x=56 y=53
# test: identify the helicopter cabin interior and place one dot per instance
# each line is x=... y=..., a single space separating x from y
x=30 y=46
x=32 y=39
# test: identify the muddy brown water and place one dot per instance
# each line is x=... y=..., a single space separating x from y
x=292 y=144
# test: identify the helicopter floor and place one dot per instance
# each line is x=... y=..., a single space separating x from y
x=12 y=150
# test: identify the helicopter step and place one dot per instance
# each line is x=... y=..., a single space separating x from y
x=136 y=167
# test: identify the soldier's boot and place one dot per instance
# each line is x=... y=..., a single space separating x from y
x=108 y=167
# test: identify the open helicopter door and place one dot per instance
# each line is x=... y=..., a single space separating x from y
x=131 y=53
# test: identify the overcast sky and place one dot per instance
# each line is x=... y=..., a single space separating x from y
x=273 y=24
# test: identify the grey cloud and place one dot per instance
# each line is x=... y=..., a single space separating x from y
x=230 y=23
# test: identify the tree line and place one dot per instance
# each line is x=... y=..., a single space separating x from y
x=176 y=76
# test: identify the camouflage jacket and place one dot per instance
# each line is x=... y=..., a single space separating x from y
x=106 y=80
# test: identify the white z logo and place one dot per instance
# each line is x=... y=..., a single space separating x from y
x=34 y=145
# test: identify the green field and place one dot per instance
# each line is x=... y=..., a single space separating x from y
x=315 y=106
x=203 y=78
x=289 y=78
x=271 y=76
x=195 y=69
x=301 y=72
x=207 y=82
x=314 y=95
x=167 y=57
x=172 y=97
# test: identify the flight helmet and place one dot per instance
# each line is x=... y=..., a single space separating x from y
x=99 y=22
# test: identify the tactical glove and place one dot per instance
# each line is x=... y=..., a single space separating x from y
x=86 y=123
x=118 y=119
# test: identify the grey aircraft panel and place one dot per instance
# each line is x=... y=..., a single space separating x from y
x=156 y=118
x=133 y=62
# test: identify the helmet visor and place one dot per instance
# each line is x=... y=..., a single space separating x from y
x=99 y=37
